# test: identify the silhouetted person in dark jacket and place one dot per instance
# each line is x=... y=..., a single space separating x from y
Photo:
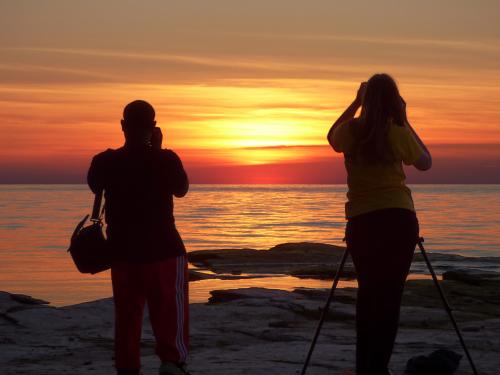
x=139 y=181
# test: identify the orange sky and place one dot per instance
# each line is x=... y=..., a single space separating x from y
x=244 y=91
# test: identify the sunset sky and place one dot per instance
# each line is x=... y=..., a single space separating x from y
x=245 y=91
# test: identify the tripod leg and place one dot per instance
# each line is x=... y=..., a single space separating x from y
x=446 y=304
x=325 y=311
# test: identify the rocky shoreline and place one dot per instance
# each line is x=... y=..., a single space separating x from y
x=256 y=330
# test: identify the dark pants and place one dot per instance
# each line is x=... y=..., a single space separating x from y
x=381 y=244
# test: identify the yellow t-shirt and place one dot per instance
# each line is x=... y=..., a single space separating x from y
x=378 y=186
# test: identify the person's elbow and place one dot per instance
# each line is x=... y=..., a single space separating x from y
x=333 y=144
x=93 y=182
x=182 y=189
x=424 y=163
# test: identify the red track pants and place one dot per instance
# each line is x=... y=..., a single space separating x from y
x=164 y=286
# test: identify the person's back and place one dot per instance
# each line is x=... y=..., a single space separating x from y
x=139 y=181
x=375 y=185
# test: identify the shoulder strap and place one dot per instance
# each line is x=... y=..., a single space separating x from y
x=96 y=214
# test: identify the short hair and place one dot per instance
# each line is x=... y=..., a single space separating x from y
x=139 y=113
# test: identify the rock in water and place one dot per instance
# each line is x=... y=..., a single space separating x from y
x=472 y=276
x=28 y=300
x=278 y=259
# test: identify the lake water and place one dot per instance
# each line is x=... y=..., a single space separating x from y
x=37 y=220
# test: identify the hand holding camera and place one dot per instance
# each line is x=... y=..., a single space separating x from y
x=156 y=138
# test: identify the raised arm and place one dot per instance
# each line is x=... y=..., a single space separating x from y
x=425 y=161
x=348 y=114
x=179 y=182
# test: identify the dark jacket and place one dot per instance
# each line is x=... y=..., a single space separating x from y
x=139 y=184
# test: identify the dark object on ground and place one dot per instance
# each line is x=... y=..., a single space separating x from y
x=439 y=362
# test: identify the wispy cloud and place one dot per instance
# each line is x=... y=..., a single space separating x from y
x=305 y=67
x=27 y=68
x=477 y=45
x=190 y=59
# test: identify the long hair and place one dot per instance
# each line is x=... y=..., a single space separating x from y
x=381 y=105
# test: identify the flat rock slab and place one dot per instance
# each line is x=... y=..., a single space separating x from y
x=243 y=331
x=315 y=260
x=284 y=258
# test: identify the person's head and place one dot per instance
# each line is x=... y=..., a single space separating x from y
x=138 y=121
x=381 y=105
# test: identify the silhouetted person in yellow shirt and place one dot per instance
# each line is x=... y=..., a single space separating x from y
x=382 y=226
x=139 y=181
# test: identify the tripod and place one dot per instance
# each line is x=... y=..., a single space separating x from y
x=324 y=312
